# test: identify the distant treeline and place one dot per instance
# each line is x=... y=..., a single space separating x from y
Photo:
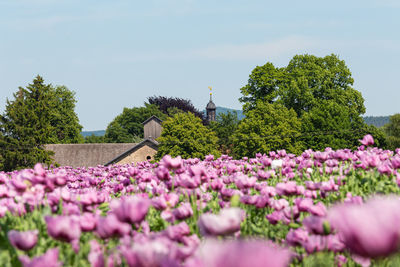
x=377 y=121
x=95 y=133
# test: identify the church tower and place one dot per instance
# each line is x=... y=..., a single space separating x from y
x=211 y=108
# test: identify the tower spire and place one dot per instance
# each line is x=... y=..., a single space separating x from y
x=211 y=108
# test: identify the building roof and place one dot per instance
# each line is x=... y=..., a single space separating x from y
x=146 y=142
x=152 y=118
x=87 y=155
x=211 y=105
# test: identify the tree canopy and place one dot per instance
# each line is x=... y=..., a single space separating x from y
x=224 y=126
x=319 y=90
x=267 y=127
x=127 y=127
x=168 y=105
x=184 y=135
x=39 y=114
x=392 y=130
x=303 y=84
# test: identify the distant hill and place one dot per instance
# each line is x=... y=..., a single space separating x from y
x=96 y=133
x=378 y=121
x=226 y=110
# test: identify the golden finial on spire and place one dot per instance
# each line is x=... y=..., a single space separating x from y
x=210 y=91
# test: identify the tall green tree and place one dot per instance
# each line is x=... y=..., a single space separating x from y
x=184 y=135
x=318 y=89
x=63 y=117
x=392 y=130
x=39 y=114
x=224 y=126
x=327 y=125
x=267 y=127
x=127 y=127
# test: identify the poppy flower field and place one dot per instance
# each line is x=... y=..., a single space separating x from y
x=320 y=208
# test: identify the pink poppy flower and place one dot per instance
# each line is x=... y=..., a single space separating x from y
x=131 y=210
x=244 y=253
x=367 y=140
x=63 y=228
x=371 y=229
x=23 y=240
x=225 y=223
x=49 y=259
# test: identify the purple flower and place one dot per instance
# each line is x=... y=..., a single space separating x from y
x=39 y=170
x=186 y=181
x=216 y=184
x=274 y=217
x=87 y=222
x=183 y=211
x=314 y=243
x=49 y=259
x=110 y=226
x=171 y=163
x=244 y=253
x=395 y=161
x=279 y=204
x=244 y=182
x=95 y=256
x=385 y=169
x=19 y=184
x=23 y=240
x=318 y=209
x=296 y=237
x=371 y=229
x=225 y=223
x=63 y=228
x=131 y=210
x=304 y=204
x=262 y=201
x=164 y=201
x=149 y=253
x=340 y=260
x=315 y=225
x=178 y=231
x=163 y=173
x=289 y=188
x=367 y=140
x=333 y=243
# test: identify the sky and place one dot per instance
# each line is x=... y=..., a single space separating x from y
x=116 y=53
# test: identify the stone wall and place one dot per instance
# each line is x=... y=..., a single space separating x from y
x=139 y=155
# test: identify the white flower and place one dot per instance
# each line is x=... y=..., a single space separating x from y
x=276 y=163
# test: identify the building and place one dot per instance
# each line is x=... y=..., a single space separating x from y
x=91 y=155
x=211 y=110
x=152 y=128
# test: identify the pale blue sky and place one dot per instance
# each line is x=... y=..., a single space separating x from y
x=116 y=53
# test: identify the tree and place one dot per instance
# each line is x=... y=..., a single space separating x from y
x=318 y=89
x=127 y=127
x=328 y=125
x=224 y=126
x=64 y=118
x=166 y=103
x=91 y=139
x=392 y=130
x=184 y=135
x=267 y=127
x=39 y=114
